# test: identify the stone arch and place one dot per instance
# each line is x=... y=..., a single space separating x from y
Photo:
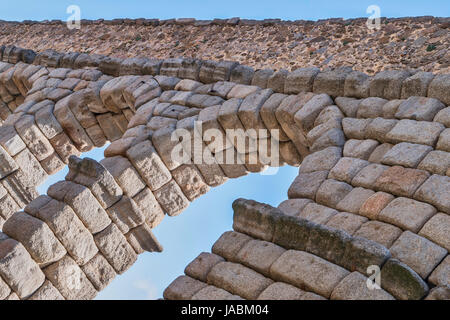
x=353 y=143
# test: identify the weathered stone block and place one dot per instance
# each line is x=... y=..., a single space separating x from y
x=153 y=212
x=4 y=290
x=307 y=271
x=214 y=293
x=361 y=253
x=306 y=116
x=405 y=154
x=388 y=84
x=436 y=190
x=71 y=125
x=357 y=84
x=261 y=78
x=355 y=128
x=47 y=122
x=171 y=198
x=52 y=164
x=439 y=88
x=361 y=149
x=306 y=185
x=150 y=166
x=327 y=243
x=421 y=132
x=437 y=230
x=402 y=282
x=371 y=107
x=115 y=248
x=256 y=219
x=277 y=80
x=383 y=233
x=242 y=74
x=93 y=175
x=31 y=167
x=347 y=222
x=300 y=80
x=70 y=280
x=200 y=267
x=347 y=168
x=189 y=178
x=379 y=127
x=47 y=292
x=444 y=141
x=322 y=160
x=401 y=181
x=354 y=287
x=420 y=254
x=35 y=236
x=436 y=162
x=417 y=85
x=74 y=236
x=259 y=255
x=443 y=117
x=281 y=291
x=7 y=164
x=126 y=214
x=439 y=293
x=64 y=147
x=354 y=200
x=142 y=239
x=349 y=106
x=292 y=232
x=373 y=206
x=331 y=82
x=229 y=245
x=20 y=189
x=390 y=108
x=441 y=273
x=99 y=272
x=379 y=152
x=406 y=213
x=125 y=174
x=84 y=204
x=293 y=207
x=249 y=112
x=419 y=108
x=183 y=288
x=331 y=192
x=238 y=279
x=18 y=269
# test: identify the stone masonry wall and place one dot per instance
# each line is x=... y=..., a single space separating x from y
x=374 y=155
x=419 y=43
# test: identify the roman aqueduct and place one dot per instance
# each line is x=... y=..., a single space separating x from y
x=373 y=188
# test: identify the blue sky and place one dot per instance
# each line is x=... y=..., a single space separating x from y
x=202 y=9
x=196 y=229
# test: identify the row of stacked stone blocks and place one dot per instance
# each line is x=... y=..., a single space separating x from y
x=340 y=82
x=275 y=256
x=69 y=244
x=307 y=122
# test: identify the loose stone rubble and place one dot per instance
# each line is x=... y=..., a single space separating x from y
x=373 y=187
